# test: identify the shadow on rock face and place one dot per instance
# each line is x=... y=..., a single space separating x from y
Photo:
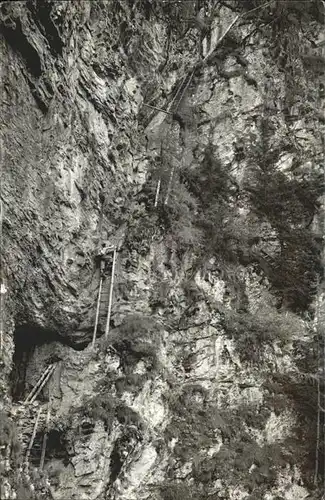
x=26 y=339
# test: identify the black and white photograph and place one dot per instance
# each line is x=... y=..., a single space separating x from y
x=162 y=249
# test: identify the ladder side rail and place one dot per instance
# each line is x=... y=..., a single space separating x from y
x=97 y=311
x=157 y=192
x=40 y=380
x=50 y=373
x=33 y=436
x=171 y=176
x=109 y=310
x=41 y=466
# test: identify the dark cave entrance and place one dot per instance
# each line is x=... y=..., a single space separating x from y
x=55 y=448
x=26 y=338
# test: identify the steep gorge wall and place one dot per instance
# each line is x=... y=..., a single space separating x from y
x=196 y=393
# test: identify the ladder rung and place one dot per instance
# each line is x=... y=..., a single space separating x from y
x=33 y=435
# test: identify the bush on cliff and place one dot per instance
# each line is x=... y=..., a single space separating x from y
x=8 y=437
x=252 y=332
x=137 y=337
x=289 y=205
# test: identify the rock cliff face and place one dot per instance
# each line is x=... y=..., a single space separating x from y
x=188 y=135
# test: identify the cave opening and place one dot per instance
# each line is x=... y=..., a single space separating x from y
x=35 y=452
x=55 y=448
x=26 y=339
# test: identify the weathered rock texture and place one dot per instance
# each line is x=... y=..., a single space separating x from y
x=207 y=385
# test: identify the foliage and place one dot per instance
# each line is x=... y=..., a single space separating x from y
x=216 y=219
x=285 y=201
x=137 y=325
x=102 y=407
x=9 y=437
x=289 y=25
x=178 y=218
x=209 y=183
x=129 y=417
x=142 y=229
x=106 y=408
x=196 y=423
x=289 y=205
x=234 y=462
x=138 y=336
x=285 y=12
x=252 y=332
x=160 y=294
x=193 y=423
x=203 y=215
x=199 y=203
x=6 y=429
x=300 y=391
x=131 y=382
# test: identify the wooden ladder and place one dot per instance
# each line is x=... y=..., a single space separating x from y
x=42 y=381
x=28 y=433
x=105 y=300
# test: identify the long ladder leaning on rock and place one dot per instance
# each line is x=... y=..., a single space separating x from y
x=46 y=430
x=109 y=310
x=110 y=301
x=42 y=381
x=32 y=439
x=97 y=309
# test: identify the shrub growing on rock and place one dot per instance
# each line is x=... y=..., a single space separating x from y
x=289 y=205
x=6 y=429
x=194 y=423
x=141 y=231
x=301 y=391
x=252 y=332
x=137 y=325
x=234 y=460
x=179 y=218
x=160 y=292
x=8 y=437
x=139 y=335
x=102 y=407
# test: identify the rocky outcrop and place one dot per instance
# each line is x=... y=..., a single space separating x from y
x=192 y=139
